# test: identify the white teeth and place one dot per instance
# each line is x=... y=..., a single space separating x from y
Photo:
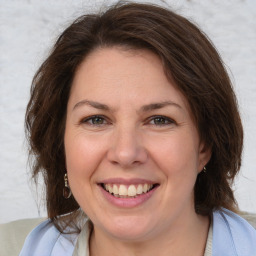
x=127 y=191
x=110 y=189
x=139 y=189
x=123 y=191
x=115 y=190
x=145 y=188
x=132 y=190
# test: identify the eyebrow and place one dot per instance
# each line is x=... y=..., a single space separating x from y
x=145 y=108
x=155 y=106
x=93 y=104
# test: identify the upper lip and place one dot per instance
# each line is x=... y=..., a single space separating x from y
x=127 y=181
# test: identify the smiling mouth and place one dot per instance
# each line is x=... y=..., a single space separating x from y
x=128 y=191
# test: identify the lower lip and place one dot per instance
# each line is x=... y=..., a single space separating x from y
x=128 y=202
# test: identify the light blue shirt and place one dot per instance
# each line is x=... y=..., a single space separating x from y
x=232 y=236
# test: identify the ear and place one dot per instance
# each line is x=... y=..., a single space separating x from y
x=204 y=156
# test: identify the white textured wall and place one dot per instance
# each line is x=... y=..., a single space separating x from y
x=27 y=30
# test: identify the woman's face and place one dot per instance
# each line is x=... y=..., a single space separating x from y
x=132 y=149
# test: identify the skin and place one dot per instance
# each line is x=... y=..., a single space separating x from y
x=128 y=141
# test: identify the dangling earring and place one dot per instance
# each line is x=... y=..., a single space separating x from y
x=204 y=169
x=66 y=190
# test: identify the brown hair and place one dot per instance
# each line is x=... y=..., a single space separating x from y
x=188 y=58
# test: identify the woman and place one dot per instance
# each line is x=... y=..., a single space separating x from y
x=133 y=123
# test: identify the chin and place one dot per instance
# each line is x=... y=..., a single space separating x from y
x=129 y=228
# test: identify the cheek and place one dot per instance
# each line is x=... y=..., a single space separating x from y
x=175 y=154
x=83 y=155
x=177 y=158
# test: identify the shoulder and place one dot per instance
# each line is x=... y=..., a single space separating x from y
x=232 y=235
x=13 y=235
x=250 y=217
x=16 y=238
x=46 y=240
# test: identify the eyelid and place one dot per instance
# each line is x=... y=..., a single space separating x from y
x=87 y=119
x=106 y=121
x=170 y=120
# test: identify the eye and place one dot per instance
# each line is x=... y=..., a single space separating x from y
x=95 y=120
x=161 y=121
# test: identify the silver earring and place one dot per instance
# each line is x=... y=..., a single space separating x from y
x=204 y=169
x=66 y=190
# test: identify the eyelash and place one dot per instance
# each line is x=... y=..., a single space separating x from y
x=89 y=120
x=165 y=121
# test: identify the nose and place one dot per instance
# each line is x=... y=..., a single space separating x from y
x=126 y=148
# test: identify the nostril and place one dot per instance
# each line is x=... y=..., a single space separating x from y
x=127 y=159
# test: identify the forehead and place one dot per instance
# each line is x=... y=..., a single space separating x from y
x=125 y=74
x=119 y=62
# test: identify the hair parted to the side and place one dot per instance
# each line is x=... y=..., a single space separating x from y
x=189 y=59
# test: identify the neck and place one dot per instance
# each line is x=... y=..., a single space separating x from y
x=187 y=239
